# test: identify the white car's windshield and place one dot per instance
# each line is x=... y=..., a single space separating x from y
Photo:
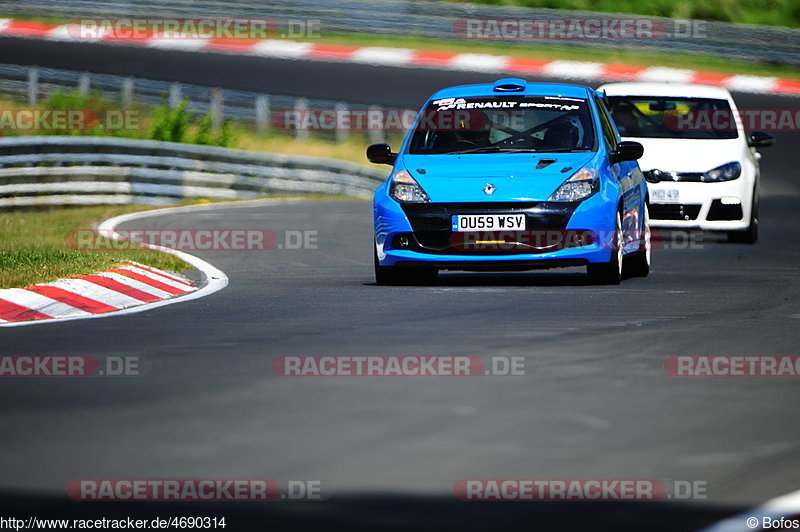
x=662 y=117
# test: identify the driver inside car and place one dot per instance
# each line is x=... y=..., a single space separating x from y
x=469 y=130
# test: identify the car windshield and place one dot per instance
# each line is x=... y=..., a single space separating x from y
x=678 y=118
x=492 y=124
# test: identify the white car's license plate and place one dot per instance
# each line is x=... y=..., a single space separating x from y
x=666 y=194
x=488 y=222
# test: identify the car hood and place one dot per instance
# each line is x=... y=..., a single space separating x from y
x=514 y=176
x=681 y=155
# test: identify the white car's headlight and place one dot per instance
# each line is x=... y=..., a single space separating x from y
x=726 y=172
x=405 y=189
x=580 y=186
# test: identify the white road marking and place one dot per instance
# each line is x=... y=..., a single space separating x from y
x=161 y=273
x=480 y=62
x=667 y=75
x=574 y=69
x=101 y=294
x=133 y=283
x=383 y=56
x=177 y=44
x=758 y=84
x=784 y=506
x=286 y=49
x=156 y=277
x=40 y=303
x=216 y=279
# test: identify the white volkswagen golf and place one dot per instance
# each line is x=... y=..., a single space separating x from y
x=702 y=168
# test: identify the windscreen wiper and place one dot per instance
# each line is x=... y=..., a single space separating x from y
x=493 y=149
x=563 y=150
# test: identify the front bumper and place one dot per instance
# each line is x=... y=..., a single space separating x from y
x=421 y=235
x=722 y=206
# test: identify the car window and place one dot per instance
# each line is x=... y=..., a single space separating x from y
x=661 y=117
x=491 y=124
x=609 y=134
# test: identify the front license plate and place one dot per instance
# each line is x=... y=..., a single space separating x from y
x=488 y=222
x=666 y=194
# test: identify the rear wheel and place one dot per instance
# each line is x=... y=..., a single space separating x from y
x=401 y=276
x=609 y=272
x=638 y=264
x=749 y=235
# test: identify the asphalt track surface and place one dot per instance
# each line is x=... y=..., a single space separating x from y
x=595 y=401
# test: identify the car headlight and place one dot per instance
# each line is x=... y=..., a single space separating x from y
x=405 y=188
x=580 y=186
x=726 y=172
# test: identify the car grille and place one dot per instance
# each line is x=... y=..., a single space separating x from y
x=657 y=176
x=432 y=225
x=674 y=211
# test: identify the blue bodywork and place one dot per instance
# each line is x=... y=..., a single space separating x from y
x=461 y=179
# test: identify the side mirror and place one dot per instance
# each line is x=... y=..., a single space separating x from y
x=759 y=139
x=626 y=151
x=381 y=154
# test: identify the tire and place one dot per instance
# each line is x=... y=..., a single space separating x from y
x=749 y=235
x=399 y=276
x=609 y=273
x=638 y=264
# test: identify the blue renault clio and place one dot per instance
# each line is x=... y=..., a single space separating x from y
x=511 y=176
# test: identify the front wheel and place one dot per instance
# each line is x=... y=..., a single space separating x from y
x=400 y=276
x=609 y=272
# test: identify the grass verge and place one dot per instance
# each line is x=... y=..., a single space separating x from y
x=34 y=248
x=764 y=12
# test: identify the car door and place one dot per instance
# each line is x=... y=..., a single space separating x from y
x=627 y=174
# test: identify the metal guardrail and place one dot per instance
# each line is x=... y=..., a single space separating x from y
x=431 y=19
x=55 y=170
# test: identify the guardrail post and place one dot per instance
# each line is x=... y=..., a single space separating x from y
x=342 y=124
x=84 y=83
x=33 y=86
x=126 y=92
x=375 y=125
x=174 y=95
x=301 y=108
x=262 y=113
x=217 y=108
